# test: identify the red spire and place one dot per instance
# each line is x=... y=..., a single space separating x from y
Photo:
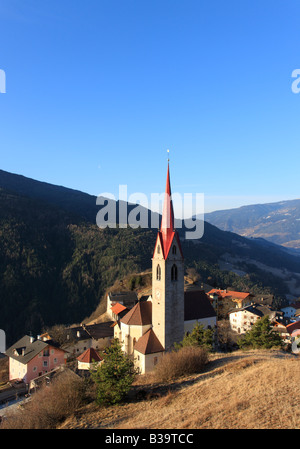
x=167 y=230
x=167 y=222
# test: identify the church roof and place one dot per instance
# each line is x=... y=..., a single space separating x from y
x=89 y=356
x=140 y=314
x=197 y=305
x=148 y=343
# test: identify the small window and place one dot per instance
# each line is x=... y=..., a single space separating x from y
x=158 y=249
x=45 y=363
x=155 y=360
x=158 y=273
x=174 y=273
x=174 y=250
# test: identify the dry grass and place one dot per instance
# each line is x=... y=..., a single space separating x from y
x=49 y=406
x=244 y=390
x=187 y=360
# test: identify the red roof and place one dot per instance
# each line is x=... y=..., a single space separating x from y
x=291 y=327
x=89 y=356
x=229 y=293
x=148 y=343
x=139 y=315
x=117 y=308
x=167 y=230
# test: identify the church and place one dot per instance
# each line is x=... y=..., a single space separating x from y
x=154 y=324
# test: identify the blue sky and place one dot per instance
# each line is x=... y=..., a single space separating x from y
x=98 y=90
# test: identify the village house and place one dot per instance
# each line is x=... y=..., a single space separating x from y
x=30 y=358
x=292 y=310
x=241 y=299
x=89 y=359
x=80 y=338
x=241 y=320
x=128 y=299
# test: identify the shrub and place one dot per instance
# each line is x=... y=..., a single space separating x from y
x=50 y=405
x=187 y=360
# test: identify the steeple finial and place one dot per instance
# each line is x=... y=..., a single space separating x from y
x=168 y=151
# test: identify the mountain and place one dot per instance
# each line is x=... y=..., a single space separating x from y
x=276 y=222
x=56 y=264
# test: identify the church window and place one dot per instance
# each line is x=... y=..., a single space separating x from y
x=158 y=273
x=174 y=250
x=174 y=273
x=158 y=249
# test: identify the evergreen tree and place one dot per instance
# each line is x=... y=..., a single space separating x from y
x=114 y=376
x=260 y=336
x=198 y=337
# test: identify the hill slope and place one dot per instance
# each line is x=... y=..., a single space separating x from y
x=243 y=390
x=277 y=222
x=56 y=264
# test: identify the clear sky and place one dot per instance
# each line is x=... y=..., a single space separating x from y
x=98 y=90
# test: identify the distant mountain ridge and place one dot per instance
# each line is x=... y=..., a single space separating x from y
x=276 y=222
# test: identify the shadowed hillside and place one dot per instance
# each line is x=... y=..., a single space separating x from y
x=56 y=264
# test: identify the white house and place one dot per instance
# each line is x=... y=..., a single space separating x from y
x=241 y=320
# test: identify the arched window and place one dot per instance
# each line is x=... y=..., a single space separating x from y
x=158 y=273
x=174 y=250
x=158 y=249
x=174 y=273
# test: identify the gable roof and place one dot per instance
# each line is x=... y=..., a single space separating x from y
x=89 y=356
x=99 y=330
x=229 y=294
x=127 y=298
x=258 y=310
x=148 y=344
x=27 y=348
x=197 y=305
x=118 y=308
x=140 y=314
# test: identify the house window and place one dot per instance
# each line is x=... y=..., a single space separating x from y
x=158 y=273
x=174 y=273
x=45 y=363
x=174 y=250
x=34 y=368
x=55 y=360
x=155 y=360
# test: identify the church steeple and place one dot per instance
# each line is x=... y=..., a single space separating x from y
x=167 y=230
x=168 y=278
x=167 y=223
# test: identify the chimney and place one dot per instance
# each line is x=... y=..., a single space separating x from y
x=31 y=339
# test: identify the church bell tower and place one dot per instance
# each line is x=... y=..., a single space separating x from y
x=168 y=278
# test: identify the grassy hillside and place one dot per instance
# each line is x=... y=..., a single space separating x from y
x=242 y=390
